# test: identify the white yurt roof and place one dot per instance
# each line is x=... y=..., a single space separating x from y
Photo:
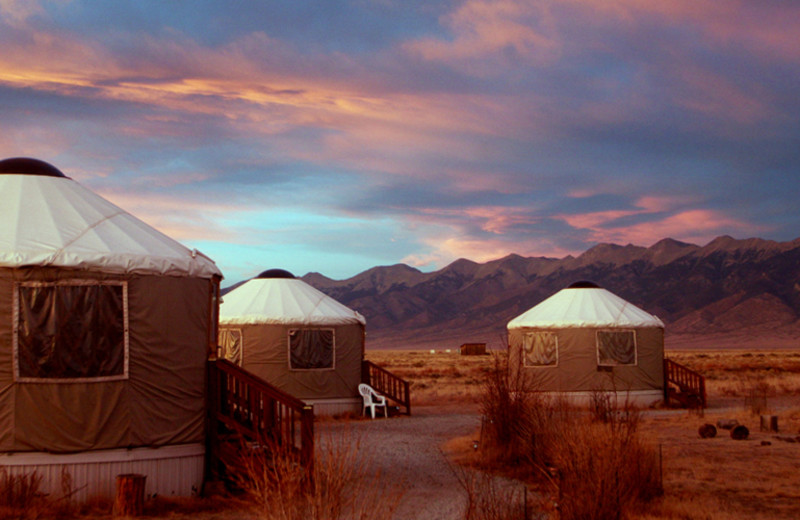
x=283 y=300
x=51 y=220
x=584 y=307
x=277 y=297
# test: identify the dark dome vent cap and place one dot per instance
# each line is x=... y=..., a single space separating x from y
x=29 y=166
x=584 y=284
x=275 y=273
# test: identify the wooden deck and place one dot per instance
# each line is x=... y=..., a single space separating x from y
x=244 y=409
x=684 y=386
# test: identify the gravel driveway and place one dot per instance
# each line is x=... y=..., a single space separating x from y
x=407 y=450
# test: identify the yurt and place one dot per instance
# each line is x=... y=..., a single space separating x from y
x=105 y=328
x=296 y=338
x=585 y=341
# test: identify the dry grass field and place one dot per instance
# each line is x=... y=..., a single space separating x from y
x=716 y=478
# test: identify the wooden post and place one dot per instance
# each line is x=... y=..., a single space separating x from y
x=769 y=423
x=130 y=495
x=307 y=437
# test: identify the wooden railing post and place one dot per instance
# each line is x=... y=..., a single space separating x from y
x=407 y=395
x=307 y=436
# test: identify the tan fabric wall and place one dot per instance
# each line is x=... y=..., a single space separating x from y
x=161 y=402
x=265 y=352
x=577 y=368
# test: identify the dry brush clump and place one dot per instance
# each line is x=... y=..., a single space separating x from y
x=490 y=498
x=584 y=468
x=21 y=497
x=340 y=483
x=603 y=469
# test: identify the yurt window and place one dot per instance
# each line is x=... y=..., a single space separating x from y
x=616 y=347
x=70 y=331
x=541 y=349
x=311 y=349
x=230 y=345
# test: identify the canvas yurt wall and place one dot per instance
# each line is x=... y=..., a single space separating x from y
x=105 y=328
x=584 y=340
x=296 y=338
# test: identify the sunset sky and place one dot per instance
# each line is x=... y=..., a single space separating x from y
x=335 y=136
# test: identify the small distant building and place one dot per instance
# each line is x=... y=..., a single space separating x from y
x=473 y=349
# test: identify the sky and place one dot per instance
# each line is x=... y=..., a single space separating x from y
x=334 y=136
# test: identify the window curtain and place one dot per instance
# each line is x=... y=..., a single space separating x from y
x=230 y=345
x=616 y=347
x=541 y=349
x=311 y=348
x=71 y=331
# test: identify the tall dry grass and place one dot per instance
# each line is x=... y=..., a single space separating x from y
x=21 y=497
x=584 y=468
x=340 y=485
x=491 y=498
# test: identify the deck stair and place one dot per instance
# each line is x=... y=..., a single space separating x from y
x=388 y=384
x=244 y=410
x=683 y=386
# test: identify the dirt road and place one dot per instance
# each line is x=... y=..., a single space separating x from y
x=407 y=451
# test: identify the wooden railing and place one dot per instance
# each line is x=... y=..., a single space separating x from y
x=691 y=385
x=387 y=384
x=243 y=408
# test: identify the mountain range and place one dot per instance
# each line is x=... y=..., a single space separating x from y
x=728 y=293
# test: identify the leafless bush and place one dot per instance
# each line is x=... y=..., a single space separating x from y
x=489 y=498
x=508 y=407
x=339 y=486
x=594 y=463
x=20 y=495
x=603 y=468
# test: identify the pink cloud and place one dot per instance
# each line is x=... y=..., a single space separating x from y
x=17 y=11
x=446 y=250
x=180 y=218
x=694 y=225
x=489 y=29
x=718 y=96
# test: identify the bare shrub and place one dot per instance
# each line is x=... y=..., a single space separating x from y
x=19 y=491
x=489 y=498
x=506 y=402
x=603 y=468
x=594 y=463
x=602 y=406
x=20 y=495
x=340 y=485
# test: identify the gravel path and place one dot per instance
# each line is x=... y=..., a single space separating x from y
x=407 y=450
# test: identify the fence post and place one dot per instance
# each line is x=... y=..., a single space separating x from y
x=407 y=396
x=307 y=436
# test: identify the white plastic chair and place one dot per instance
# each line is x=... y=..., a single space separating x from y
x=372 y=400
